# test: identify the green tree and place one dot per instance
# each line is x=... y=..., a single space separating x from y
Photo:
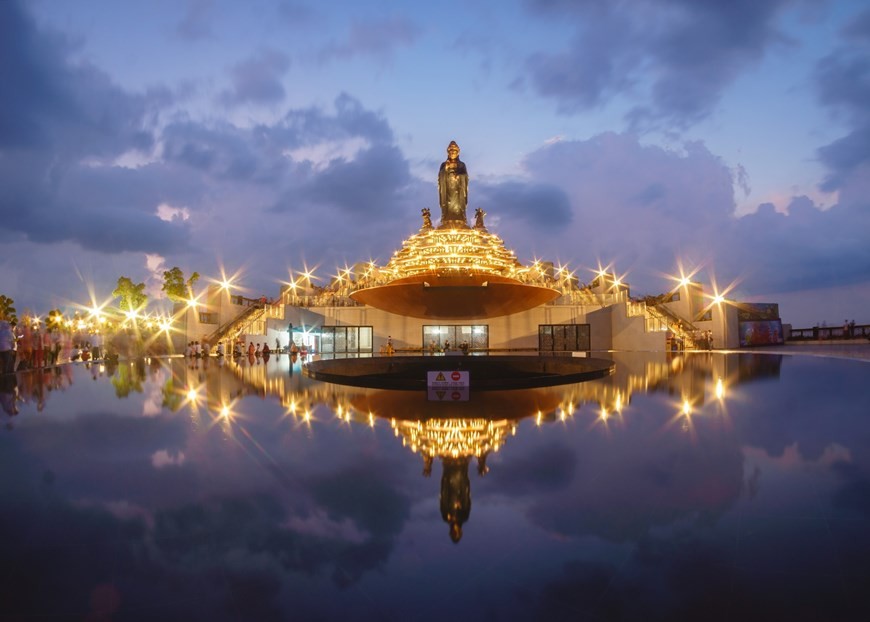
x=7 y=311
x=55 y=319
x=176 y=288
x=132 y=295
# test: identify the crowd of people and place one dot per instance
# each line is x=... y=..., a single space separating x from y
x=24 y=347
x=239 y=349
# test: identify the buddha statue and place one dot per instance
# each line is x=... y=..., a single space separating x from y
x=453 y=189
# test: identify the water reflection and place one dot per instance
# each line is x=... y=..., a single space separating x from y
x=452 y=432
x=231 y=490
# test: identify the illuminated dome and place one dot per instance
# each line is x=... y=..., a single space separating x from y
x=460 y=272
x=452 y=438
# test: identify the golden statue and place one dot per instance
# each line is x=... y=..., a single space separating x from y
x=478 y=219
x=427 y=218
x=453 y=189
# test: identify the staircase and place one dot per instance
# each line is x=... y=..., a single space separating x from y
x=682 y=328
x=236 y=326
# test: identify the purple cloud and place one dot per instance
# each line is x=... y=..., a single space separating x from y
x=843 y=84
x=688 y=52
x=258 y=80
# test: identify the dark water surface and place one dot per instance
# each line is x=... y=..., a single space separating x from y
x=701 y=487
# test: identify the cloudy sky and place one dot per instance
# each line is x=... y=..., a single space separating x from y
x=254 y=138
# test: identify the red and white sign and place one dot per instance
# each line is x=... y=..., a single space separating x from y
x=446 y=380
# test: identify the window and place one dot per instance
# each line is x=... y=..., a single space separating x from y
x=345 y=339
x=208 y=318
x=477 y=336
x=564 y=337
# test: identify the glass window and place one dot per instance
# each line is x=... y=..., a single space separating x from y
x=345 y=339
x=477 y=336
x=564 y=337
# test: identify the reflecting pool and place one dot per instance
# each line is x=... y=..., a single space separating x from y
x=682 y=487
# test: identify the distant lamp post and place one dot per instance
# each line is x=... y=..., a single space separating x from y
x=722 y=305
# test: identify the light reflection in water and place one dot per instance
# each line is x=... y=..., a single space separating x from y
x=457 y=432
x=258 y=467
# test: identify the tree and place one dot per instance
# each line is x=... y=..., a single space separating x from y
x=7 y=311
x=132 y=295
x=176 y=288
x=55 y=319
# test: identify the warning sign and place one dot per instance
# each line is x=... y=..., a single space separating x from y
x=446 y=380
x=453 y=395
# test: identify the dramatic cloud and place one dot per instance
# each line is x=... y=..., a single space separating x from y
x=258 y=80
x=59 y=126
x=541 y=206
x=50 y=103
x=66 y=127
x=370 y=185
x=843 y=82
x=645 y=207
x=677 y=55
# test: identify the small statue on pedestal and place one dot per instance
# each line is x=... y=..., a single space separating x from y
x=427 y=218
x=478 y=218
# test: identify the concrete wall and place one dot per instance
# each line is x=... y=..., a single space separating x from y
x=516 y=331
x=610 y=326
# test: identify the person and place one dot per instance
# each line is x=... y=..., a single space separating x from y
x=432 y=346
x=7 y=348
x=220 y=348
x=96 y=346
x=251 y=349
x=47 y=347
x=293 y=349
x=206 y=350
x=55 y=346
x=427 y=218
x=390 y=348
x=25 y=346
x=37 y=349
x=258 y=352
x=266 y=351
x=453 y=188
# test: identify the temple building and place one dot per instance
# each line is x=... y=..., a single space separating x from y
x=456 y=287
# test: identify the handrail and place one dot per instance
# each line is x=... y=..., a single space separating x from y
x=823 y=333
x=240 y=319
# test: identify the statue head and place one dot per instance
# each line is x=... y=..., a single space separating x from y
x=456 y=532
x=452 y=150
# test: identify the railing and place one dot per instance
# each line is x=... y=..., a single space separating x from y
x=826 y=333
x=683 y=329
x=242 y=319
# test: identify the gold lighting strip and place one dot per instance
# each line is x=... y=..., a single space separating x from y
x=453 y=437
x=459 y=251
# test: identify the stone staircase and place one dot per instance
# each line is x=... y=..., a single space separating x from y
x=237 y=325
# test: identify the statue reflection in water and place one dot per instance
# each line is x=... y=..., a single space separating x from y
x=455 y=489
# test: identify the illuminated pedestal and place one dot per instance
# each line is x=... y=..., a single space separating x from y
x=453 y=274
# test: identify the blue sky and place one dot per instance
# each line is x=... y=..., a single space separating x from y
x=732 y=138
